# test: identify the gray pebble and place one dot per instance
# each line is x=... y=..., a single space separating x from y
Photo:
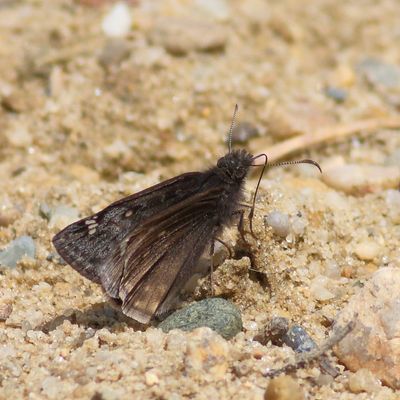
x=243 y=132
x=279 y=223
x=114 y=51
x=298 y=339
x=336 y=93
x=379 y=73
x=23 y=246
x=218 y=314
x=45 y=211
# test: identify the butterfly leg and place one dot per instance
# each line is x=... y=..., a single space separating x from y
x=212 y=248
x=226 y=246
x=241 y=224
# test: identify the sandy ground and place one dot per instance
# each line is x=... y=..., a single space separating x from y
x=86 y=119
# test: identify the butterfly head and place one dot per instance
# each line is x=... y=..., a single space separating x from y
x=234 y=166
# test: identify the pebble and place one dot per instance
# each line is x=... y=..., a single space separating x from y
x=319 y=289
x=243 y=132
x=363 y=381
x=8 y=216
x=50 y=387
x=284 y=388
x=278 y=332
x=373 y=343
x=367 y=250
x=361 y=179
x=392 y=199
x=298 y=339
x=62 y=215
x=180 y=36
x=19 y=135
x=5 y=311
x=379 y=73
x=24 y=246
x=217 y=9
x=118 y=21
x=151 y=378
x=279 y=222
x=114 y=51
x=218 y=314
x=298 y=225
x=206 y=353
x=274 y=331
x=336 y=93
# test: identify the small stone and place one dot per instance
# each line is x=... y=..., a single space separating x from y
x=243 y=132
x=217 y=9
x=298 y=339
x=5 y=311
x=367 y=250
x=319 y=290
x=379 y=73
x=151 y=378
x=363 y=381
x=207 y=353
x=18 y=135
x=218 y=314
x=118 y=22
x=336 y=93
x=7 y=217
x=362 y=179
x=62 y=215
x=114 y=51
x=284 y=388
x=16 y=101
x=51 y=387
x=24 y=246
x=393 y=204
x=373 y=343
x=45 y=211
x=279 y=223
x=274 y=331
x=298 y=225
x=180 y=36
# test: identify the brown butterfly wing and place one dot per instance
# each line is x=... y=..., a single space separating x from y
x=160 y=254
x=88 y=245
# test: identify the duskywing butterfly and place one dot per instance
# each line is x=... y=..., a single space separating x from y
x=143 y=248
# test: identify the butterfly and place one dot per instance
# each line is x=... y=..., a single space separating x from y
x=143 y=248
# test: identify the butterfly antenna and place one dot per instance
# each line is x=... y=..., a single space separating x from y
x=231 y=128
x=307 y=161
x=264 y=165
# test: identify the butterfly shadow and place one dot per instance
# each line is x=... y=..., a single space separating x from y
x=98 y=316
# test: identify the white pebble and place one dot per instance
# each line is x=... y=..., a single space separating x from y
x=393 y=204
x=367 y=250
x=363 y=381
x=51 y=387
x=362 y=179
x=118 y=22
x=319 y=288
x=279 y=223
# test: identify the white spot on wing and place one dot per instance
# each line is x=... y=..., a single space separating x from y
x=128 y=213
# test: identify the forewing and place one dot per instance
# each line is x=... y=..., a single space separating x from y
x=88 y=245
x=160 y=255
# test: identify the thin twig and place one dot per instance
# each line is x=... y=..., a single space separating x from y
x=327 y=134
x=303 y=359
